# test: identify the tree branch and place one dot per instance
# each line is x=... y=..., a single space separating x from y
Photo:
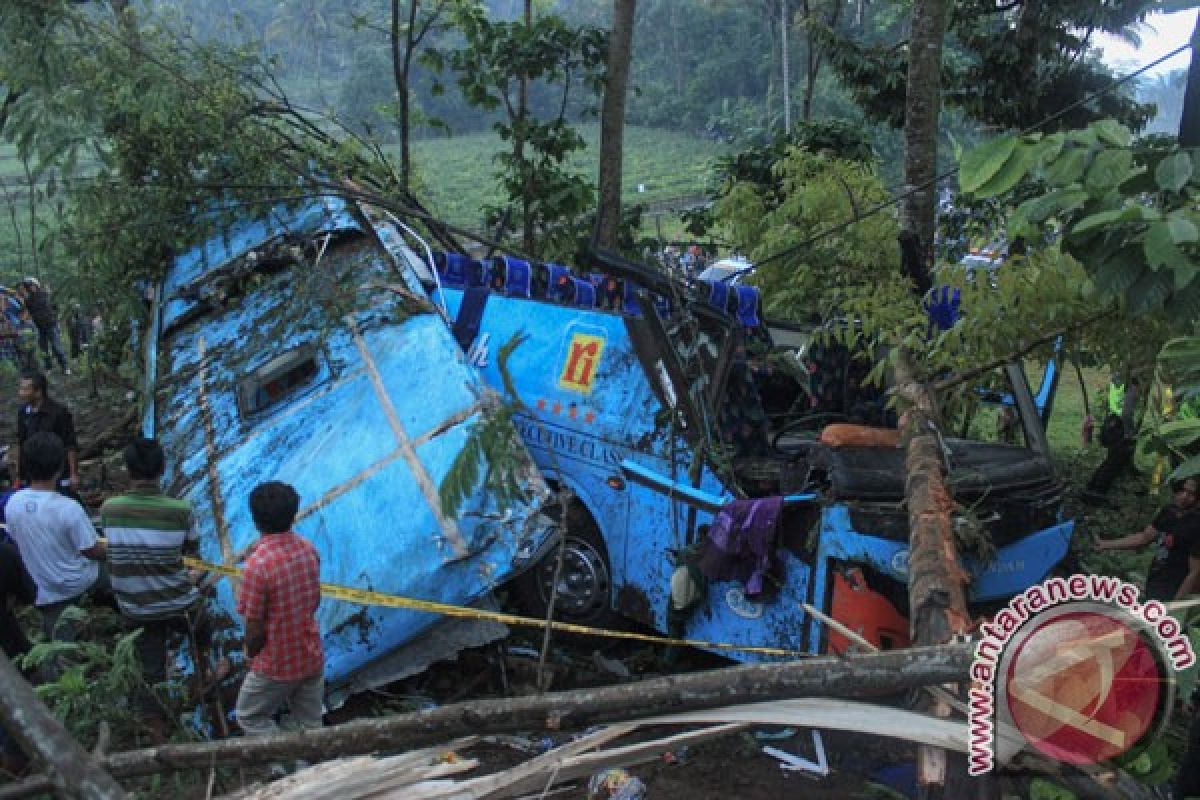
x=1016 y=355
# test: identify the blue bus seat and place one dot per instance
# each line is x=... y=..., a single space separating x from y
x=718 y=294
x=561 y=286
x=518 y=277
x=749 y=301
x=630 y=302
x=585 y=293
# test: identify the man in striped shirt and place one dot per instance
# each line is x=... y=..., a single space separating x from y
x=147 y=533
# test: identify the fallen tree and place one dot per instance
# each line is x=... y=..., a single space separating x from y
x=72 y=772
x=825 y=676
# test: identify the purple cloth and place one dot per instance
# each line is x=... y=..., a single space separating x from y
x=741 y=545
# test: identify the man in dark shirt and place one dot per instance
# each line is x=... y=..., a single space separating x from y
x=38 y=413
x=1175 y=571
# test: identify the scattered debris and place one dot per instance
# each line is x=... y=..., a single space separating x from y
x=615 y=784
x=793 y=762
x=610 y=666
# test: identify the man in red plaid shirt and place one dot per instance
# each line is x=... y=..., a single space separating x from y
x=278 y=599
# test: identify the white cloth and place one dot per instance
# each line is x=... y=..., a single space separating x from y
x=50 y=530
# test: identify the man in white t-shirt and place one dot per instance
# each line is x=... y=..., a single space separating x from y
x=57 y=541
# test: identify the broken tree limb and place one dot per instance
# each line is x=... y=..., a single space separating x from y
x=937 y=595
x=825 y=676
x=73 y=773
x=937 y=692
x=950 y=381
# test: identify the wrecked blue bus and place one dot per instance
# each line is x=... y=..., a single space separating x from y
x=302 y=347
x=674 y=413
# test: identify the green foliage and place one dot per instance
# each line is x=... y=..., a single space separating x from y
x=98 y=682
x=1151 y=765
x=179 y=139
x=492 y=454
x=811 y=192
x=755 y=166
x=667 y=164
x=1009 y=66
x=497 y=59
x=1126 y=210
x=1042 y=789
x=1180 y=438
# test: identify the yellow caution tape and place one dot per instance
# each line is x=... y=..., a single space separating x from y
x=369 y=598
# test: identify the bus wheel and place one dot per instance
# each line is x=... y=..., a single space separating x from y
x=584 y=590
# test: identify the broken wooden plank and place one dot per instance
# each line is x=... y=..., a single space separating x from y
x=586 y=764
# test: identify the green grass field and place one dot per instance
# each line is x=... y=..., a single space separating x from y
x=457 y=176
x=456 y=173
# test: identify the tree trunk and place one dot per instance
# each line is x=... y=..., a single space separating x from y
x=612 y=124
x=784 y=26
x=72 y=772
x=1189 y=123
x=936 y=579
x=677 y=62
x=11 y=96
x=936 y=583
x=401 y=67
x=527 y=238
x=826 y=676
x=400 y=78
x=921 y=108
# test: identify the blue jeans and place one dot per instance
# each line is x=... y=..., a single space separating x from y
x=49 y=342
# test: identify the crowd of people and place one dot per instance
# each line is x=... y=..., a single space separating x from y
x=31 y=322
x=54 y=556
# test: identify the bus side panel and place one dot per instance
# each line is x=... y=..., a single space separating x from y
x=588 y=406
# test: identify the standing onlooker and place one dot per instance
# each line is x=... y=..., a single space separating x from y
x=57 y=541
x=12 y=319
x=1118 y=434
x=147 y=533
x=39 y=413
x=41 y=311
x=1175 y=531
x=79 y=329
x=278 y=600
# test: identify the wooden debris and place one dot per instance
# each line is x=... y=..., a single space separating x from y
x=822 y=676
x=365 y=776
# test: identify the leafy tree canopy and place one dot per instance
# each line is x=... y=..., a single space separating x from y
x=1010 y=65
x=1127 y=210
x=141 y=130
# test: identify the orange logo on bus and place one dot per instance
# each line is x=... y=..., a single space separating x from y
x=583 y=357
